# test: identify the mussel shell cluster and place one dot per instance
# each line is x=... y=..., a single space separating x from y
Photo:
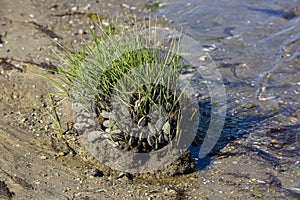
x=144 y=126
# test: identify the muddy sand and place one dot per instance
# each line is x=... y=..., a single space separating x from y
x=38 y=162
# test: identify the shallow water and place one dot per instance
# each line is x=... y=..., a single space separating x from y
x=257 y=53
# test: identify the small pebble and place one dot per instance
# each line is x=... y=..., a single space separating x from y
x=105 y=23
x=97 y=173
x=23 y=120
x=80 y=31
x=77 y=194
x=203 y=58
x=66 y=189
x=74 y=8
x=172 y=191
x=163 y=4
x=43 y=157
x=125 y=174
x=87 y=7
x=124 y=5
x=61 y=153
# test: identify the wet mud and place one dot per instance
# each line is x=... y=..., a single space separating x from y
x=256 y=51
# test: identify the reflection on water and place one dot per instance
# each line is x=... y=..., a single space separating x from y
x=257 y=52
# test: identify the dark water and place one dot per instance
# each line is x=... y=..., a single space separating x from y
x=257 y=53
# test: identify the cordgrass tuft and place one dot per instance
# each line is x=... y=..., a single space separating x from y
x=131 y=67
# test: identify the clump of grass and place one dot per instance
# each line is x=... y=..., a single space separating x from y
x=93 y=70
x=130 y=65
